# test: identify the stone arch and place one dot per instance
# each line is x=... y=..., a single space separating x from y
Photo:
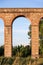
x=23 y=17
x=41 y=18
x=20 y=15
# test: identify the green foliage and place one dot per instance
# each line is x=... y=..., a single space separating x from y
x=6 y=61
x=14 y=51
x=29 y=33
x=26 y=51
x=22 y=51
x=22 y=61
x=41 y=29
x=18 y=51
x=1 y=50
x=41 y=37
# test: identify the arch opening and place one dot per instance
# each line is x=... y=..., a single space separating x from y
x=1 y=37
x=21 y=35
x=41 y=37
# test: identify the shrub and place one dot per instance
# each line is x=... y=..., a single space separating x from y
x=2 y=51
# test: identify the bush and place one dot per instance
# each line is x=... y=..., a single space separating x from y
x=2 y=51
x=14 y=51
x=22 y=51
x=25 y=51
x=6 y=61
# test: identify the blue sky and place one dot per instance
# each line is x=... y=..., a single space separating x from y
x=20 y=25
x=21 y=3
x=20 y=31
x=1 y=32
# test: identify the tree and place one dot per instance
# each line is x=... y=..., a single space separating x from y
x=2 y=50
x=29 y=33
x=25 y=51
x=41 y=36
x=14 y=51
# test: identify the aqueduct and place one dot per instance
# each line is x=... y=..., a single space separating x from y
x=8 y=15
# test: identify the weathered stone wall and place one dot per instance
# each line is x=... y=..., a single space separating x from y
x=9 y=15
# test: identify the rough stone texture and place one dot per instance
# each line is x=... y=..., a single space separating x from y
x=9 y=15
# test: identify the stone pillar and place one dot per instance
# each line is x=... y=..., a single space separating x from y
x=35 y=41
x=8 y=41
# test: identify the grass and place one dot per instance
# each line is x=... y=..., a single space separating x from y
x=18 y=61
x=6 y=61
x=21 y=61
x=40 y=61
